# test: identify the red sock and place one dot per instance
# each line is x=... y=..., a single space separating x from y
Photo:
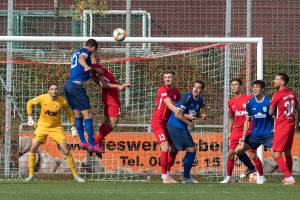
x=289 y=162
x=104 y=130
x=259 y=166
x=164 y=162
x=230 y=165
x=171 y=159
x=283 y=167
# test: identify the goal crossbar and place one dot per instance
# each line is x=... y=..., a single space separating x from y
x=255 y=40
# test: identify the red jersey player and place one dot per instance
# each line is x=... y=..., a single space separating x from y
x=166 y=95
x=284 y=104
x=111 y=101
x=237 y=116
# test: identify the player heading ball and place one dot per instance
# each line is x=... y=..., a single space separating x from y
x=76 y=94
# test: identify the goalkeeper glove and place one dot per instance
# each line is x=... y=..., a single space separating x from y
x=74 y=131
x=30 y=121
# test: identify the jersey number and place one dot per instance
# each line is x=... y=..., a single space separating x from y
x=74 y=60
x=162 y=137
x=290 y=108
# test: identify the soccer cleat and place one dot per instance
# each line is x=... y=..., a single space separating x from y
x=260 y=179
x=79 y=179
x=90 y=148
x=84 y=145
x=189 y=181
x=29 y=179
x=98 y=149
x=167 y=180
x=172 y=179
x=227 y=179
x=289 y=181
x=246 y=173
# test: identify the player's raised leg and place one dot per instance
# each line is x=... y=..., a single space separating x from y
x=110 y=98
x=107 y=125
x=76 y=94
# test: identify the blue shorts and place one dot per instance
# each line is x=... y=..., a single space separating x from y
x=76 y=96
x=180 y=137
x=255 y=142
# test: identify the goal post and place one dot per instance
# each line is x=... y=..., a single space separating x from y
x=131 y=149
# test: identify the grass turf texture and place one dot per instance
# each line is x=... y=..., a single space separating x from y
x=52 y=190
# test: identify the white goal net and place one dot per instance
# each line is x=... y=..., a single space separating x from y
x=131 y=151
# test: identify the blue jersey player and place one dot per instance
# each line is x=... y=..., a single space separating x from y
x=263 y=124
x=188 y=109
x=76 y=94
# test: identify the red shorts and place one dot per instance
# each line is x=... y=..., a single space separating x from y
x=283 y=140
x=112 y=110
x=160 y=131
x=234 y=140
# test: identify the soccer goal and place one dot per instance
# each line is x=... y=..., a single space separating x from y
x=29 y=63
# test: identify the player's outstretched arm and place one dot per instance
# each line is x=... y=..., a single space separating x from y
x=29 y=106
x=119 y=87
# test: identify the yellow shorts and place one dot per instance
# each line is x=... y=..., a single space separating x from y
x=55 y=133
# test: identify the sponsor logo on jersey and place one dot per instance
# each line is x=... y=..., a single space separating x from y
x=259 y=115
x=51 y=113
x=240 y=113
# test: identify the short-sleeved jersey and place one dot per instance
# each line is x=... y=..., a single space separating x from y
x=188 y=105
x=263 y=123
x=77 y=71
x=50 y=112
x=286 y=102
x=109 y=95
x=237 y=109
x=161 y=111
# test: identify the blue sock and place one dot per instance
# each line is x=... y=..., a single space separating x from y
x=188 y=164
x=80 y=129
x=89 y=127
x=246 y=160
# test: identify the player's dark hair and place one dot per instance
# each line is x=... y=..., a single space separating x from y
x=91 y=43
x=201 y=83
x=169 y=71
x=49 y=85
x=237 y=80
x=261 y=83
x=283 y=77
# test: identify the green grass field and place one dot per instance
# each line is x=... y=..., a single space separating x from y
x=52 y=190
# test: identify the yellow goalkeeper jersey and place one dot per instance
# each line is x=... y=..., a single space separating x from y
x=50 y=115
